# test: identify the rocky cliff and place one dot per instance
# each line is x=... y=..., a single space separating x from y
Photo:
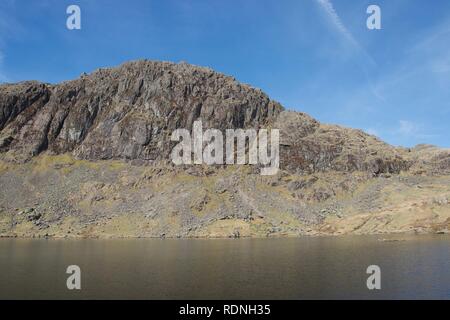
x=61 y=144
x=129 y=112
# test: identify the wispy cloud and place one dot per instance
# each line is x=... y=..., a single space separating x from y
x=407 y=128
x=334 y=18
x=368 y=64
x=434 y=48
x=407 y=131
x=410 y=129
x=423 y=65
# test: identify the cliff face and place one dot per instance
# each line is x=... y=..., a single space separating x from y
x=129 y=112
x=90 y=157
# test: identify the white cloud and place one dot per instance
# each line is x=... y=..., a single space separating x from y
x=327 y=6
x=334 y=18
x=368 y=65
x=407 y=128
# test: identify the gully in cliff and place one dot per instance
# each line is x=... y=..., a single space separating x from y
x=213 y=152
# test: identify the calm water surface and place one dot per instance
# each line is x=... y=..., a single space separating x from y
x=289 y=268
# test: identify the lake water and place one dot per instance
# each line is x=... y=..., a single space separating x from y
x=285 y=268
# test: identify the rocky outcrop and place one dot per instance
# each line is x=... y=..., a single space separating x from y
x=129 y=112
x=308 y=146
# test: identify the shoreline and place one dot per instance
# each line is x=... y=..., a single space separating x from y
x=387 y=235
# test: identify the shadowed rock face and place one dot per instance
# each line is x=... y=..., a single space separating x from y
x=129 y=112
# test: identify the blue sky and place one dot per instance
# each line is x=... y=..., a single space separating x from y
x=315 y=56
